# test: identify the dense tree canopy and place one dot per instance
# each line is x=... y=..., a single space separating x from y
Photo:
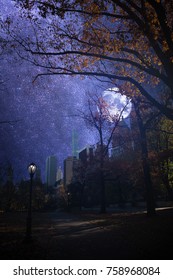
x=126 y=41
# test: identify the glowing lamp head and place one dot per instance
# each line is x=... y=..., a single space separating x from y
x=31 y=169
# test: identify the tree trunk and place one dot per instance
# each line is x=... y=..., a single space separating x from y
x=103 y=197
x=145 y=164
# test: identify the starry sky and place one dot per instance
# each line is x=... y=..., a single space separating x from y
x=42 y=114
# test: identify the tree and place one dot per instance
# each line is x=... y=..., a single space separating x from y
x=7 y=190
x=144 y=155
x=126 y=40
x=161 y=142
x=100 y=118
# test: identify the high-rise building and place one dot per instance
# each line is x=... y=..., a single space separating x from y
x=125 y=136
x=51 y=170
x=59 y=174
x=86 y=155
x=70 y=169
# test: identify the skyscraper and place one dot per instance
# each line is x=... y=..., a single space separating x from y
x=70 y=169
x=51 y=169
x=59 y=174
x=86 y=155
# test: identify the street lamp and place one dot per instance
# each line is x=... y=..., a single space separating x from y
x=68 y=200
x=31 y=169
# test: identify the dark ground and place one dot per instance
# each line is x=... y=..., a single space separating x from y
x=88 y=235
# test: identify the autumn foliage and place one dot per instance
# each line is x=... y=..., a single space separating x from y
x=127 y=41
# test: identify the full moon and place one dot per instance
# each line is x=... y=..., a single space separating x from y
x=117 y=103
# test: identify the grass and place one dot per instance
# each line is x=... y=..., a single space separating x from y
x=58 y=235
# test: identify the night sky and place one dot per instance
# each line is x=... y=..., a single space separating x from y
x=42 y=113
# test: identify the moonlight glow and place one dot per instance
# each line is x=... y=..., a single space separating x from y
x=117 y=103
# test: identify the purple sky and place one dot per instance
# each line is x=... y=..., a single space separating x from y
x=42 y=108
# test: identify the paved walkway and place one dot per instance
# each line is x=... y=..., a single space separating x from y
x=87 y=235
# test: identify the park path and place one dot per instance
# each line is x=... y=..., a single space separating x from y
x=87 y=235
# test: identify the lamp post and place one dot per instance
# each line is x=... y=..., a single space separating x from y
x=68 y=201
x=31 y=169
